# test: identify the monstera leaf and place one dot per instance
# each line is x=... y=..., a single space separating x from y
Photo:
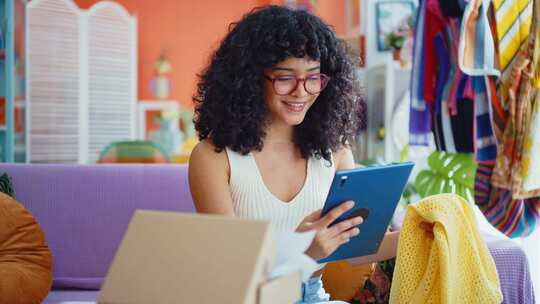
x=5 y=185
x=448 y=173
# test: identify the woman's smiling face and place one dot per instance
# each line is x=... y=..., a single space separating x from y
x=291 y=88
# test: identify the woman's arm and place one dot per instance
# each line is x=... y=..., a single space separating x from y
x=388 y=248
x=209 y=180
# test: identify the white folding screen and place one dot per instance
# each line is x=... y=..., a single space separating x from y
x=111 y=76
x=81 y=79
x=53 y=64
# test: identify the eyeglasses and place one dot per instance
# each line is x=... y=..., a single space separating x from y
x=285 y=85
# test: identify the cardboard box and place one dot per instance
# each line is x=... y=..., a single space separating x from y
x=168 y=257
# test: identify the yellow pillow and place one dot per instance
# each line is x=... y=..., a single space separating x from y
x=25 y=259
x=342 y=280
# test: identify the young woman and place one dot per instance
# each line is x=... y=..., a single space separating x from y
x=276 y=110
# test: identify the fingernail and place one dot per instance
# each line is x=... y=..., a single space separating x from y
x=359 y=221
x=356 y=231
x=350 y=204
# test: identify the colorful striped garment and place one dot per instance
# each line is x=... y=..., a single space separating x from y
x=477 y=55
x=513 y=217
x=485 y=145
x=530 y=164
x=513 y=20
x=502 y=193
x=420 y=118
x=493 y=59
x=449 y=97
x=509 y=170
x=531 y=145
x=498 y=66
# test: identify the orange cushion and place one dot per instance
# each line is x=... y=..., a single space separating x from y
x=342 y=280
x=25 y=259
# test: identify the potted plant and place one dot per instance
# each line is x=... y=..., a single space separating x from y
x=396 y=40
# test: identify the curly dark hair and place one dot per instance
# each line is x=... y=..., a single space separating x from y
x=229 y=103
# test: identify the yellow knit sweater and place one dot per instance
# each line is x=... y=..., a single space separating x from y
x=452 y=266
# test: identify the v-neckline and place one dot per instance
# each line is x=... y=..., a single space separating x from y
x=306 y=180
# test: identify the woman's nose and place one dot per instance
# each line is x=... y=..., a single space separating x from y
x=300 y=89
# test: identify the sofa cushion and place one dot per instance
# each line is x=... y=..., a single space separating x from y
x=133 y=152
x=71 y=296
x=25 y=259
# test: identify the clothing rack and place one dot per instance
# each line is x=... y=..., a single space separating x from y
x=475 y=86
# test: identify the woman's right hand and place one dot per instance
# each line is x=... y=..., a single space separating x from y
x=328 y=239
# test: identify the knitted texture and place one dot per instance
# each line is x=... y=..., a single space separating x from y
x=451 y=266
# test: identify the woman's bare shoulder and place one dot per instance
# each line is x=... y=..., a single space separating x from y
x=209 y=176
x=206 y=155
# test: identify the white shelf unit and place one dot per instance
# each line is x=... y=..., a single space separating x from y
x=144 y=106
x=387 y=98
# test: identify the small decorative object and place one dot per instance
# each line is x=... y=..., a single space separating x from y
x=186 y=124
x=381 y=133
x=160 y=86
x=147 y=110
x=396 y=40
x=168 y=137
x=190 y=139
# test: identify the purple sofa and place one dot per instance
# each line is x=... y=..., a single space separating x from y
x=84 y=211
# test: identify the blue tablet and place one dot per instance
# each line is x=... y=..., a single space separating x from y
x=376 y=192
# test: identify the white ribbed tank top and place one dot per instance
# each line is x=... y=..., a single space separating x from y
x=252 y=199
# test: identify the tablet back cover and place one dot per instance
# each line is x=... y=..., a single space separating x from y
x=376 y=192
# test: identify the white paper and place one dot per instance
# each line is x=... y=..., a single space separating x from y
x=291 y=257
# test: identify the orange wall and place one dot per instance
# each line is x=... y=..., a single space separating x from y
x=189 y=31
x=333 y=12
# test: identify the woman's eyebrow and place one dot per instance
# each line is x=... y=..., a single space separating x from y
x=282 y=69
x=293 y=70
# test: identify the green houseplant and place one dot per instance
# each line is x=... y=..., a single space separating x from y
x=448 y=173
